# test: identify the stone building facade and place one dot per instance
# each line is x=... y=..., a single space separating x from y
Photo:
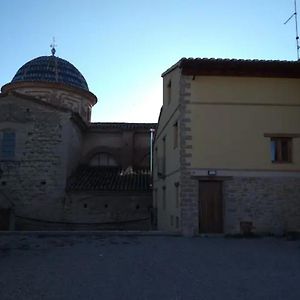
x=59 y=170
x=227 y=148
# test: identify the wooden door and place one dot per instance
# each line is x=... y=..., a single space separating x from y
x=4 y=219
x=210 y=207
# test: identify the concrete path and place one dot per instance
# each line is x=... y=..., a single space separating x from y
x=148 y=267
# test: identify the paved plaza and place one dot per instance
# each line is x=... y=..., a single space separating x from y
x=94 y=266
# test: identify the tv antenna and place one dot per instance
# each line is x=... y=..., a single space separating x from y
x=52 y=46
x=294 y=15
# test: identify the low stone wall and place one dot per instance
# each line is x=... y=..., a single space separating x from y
x=26 y=224
x=272 y=205
x=95 y=211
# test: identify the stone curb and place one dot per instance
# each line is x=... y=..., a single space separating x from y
x=88 y=233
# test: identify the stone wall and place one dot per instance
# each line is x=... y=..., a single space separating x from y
x=35 y=180
x=6 y=213
x=271 y=204
x=189 y=186
x=113 y=210
x=129 y=147
x=97 y=211
x=72 y=140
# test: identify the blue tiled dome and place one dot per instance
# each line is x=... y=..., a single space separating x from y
x=51 y=69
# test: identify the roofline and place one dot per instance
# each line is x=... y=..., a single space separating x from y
x=121 y=126
x=237 y=67
x=173 y=67
x=46 y=84
x=122 y=123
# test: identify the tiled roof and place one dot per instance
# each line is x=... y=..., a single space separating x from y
x=124 y=126
x=109 y=179
x=51 y=69
x=237 y=67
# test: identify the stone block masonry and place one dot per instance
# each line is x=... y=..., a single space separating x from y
x=189 y=187
x=35 y=180
x=271 y=204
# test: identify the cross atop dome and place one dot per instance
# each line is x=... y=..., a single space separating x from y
x=52 y=46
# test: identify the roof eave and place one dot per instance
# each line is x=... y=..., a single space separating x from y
x=237 y=67
x=175 y=66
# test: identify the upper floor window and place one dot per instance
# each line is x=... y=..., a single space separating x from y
x=177 y=197
x=103 y=159
x=175 y=130
x=169 y=91
x=281 y=149
x=8 y=144
x=161 y=161
x=164 y=158
x=164 y=199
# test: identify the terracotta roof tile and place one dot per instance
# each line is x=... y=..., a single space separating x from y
x=124 y=126
x=109 y=179
x=237 y=67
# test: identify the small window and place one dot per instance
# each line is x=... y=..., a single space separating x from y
x=177 y=199
x=164 y=162
x=103 y=160
x=175 y=132
x=156 y=155
x=155 y=198
x=169 y=91
x=164 y=200
x=8 y=144
x=281 y=149
x=171 y=220
x=177 y=222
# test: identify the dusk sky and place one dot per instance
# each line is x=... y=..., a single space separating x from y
x=121 y=47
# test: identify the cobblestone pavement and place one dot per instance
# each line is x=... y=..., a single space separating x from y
x=147 y=267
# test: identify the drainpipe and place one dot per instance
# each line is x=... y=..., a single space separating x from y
x=151 y=149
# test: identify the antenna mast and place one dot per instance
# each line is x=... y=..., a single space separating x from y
x=294 y=15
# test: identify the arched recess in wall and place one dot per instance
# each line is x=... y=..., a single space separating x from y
x=102 y=159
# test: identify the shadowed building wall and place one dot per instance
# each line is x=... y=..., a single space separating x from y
x=47 y=140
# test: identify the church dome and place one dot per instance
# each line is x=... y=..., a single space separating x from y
x=51 y=69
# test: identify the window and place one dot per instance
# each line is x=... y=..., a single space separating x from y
x=171 y=220
x=156 y=156
x=169 y=91
x=154 y=214
x=164 y=163
x=8 y=145
x=164 y=200
x=155 y=198
x=281 y=149
x=103 y=160
x=177 y=194
x=161 y=166
x=175 y=132
x=177 y=222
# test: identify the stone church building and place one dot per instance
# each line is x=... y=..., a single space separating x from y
x=57 y=169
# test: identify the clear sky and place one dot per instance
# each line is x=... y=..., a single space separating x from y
x=122 y=46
